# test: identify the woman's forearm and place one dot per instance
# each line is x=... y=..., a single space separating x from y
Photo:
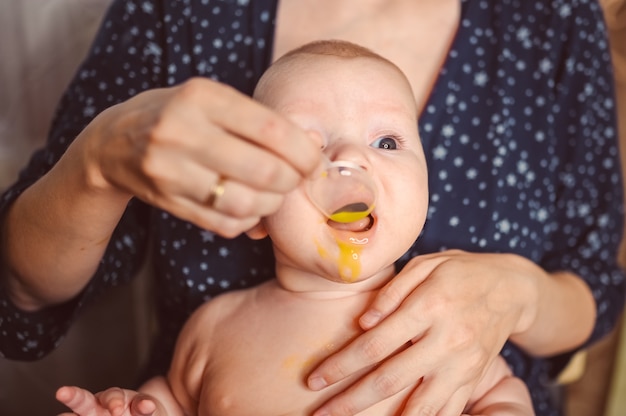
x=563 y=317
x=56 y=232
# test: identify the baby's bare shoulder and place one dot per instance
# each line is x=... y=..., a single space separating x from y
x=226 y=304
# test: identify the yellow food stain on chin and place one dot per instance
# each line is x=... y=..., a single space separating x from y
x=348 y=260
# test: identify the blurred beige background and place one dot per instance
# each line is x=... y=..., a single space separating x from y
x=41 y=44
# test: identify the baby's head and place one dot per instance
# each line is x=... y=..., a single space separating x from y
x=361 y=108
x=312 y=52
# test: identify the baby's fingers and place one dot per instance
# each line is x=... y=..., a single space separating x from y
x=115 y=400
x=80 y=401
x=143 y=405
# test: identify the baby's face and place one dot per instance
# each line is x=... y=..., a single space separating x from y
x=361 y=110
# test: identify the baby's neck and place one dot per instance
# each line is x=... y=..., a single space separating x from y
x=314 y=286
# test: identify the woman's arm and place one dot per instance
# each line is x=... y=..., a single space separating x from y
x=561 y=319
x=70 y=216
x=56 y=232
x=161 y=147
x=167 y=147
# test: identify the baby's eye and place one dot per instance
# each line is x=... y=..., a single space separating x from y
x=386 y=142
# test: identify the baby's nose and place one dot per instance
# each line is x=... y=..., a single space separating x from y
x=350 y=152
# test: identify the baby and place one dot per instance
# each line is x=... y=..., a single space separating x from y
x=249 y=352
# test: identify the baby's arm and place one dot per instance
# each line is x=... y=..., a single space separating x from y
x=194 y=347
x=175 y=396
x=500 y=393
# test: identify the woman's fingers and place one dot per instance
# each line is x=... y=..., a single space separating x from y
x=439 y=384
x=398 y=308
x=235 y=209
x=393 y=376
x=230 y=134
x=210 y=149
x=257 y=124
x=212 y=219
x=434 y=396
x=391 y=296
x=450 y=307
x=368 y=349
x=201 y=151
x=173 y=176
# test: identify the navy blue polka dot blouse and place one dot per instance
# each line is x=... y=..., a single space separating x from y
x=519 y=133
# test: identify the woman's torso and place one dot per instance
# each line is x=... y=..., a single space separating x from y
x=415 y=35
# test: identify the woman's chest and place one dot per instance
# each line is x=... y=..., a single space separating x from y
x=415 y=35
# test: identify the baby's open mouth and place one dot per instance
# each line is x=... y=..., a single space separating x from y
x=361 y=225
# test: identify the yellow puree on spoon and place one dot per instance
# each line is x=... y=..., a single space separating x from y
x=351 y=212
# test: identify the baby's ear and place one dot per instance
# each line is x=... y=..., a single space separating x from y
x=257 y=232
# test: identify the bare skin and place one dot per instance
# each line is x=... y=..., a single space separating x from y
x=238 y=377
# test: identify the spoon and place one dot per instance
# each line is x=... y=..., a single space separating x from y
x=343 y=191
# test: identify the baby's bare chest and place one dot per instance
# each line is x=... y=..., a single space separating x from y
x=261 y=360
x=262 y=351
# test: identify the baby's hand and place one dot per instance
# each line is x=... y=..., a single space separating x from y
x=111 y=402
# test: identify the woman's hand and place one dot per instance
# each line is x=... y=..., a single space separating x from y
x=111 y=402
x=201 y=151
x=455 y=310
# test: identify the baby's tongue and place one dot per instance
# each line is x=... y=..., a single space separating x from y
x=356 y=226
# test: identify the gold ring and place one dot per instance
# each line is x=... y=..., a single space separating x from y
x=216 y=192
